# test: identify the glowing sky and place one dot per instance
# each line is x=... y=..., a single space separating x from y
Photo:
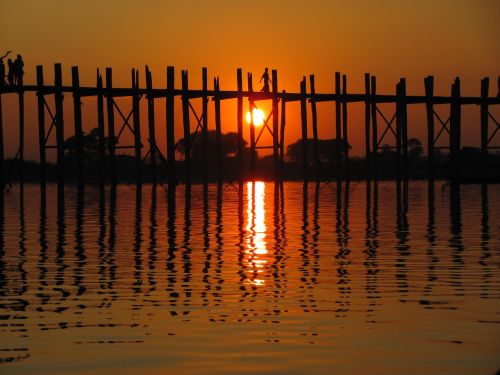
x=390 y=39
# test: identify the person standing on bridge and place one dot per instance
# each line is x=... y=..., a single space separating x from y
x=18 y=70
x=2 y=68
x=10 y=74
x=266 y=79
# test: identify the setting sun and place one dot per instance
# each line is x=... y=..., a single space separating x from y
x=258 y=117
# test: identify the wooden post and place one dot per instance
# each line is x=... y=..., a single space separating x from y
x=303 y=118
x=282 y=132
x=218 y=130
x=187 y=127
x=41 y=122
x=170 y=126
x=252 y=126
x=111 y=125
x=398 y=129
x=374 y=126
x=151 y=124
x=274 y=74
x=429 y=107
x=338 y=124
x=455 y=125
x=239 y=120
x=204 y=122
x=77 y=113
x=20 y=91
x=367 y=126
x=314 y=120
x=404 y=127
x=2 y=166
x=136 y=125
x=100 y=128
x=59 y=123
x=485 y=83
x=345 y=137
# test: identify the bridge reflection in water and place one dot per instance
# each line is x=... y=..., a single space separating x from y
x=220 y=278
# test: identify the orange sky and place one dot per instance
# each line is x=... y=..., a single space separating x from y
x=390 y=39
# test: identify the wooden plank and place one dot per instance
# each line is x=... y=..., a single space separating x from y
x=111 y=125
x=77 y=115
x=59 y=123
x=20 y=97
x=282 y=134
x=455 y=127
x=170 y=133
x=314 y=123
x=404 y=128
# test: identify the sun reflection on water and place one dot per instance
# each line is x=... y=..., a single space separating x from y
x=256 y=250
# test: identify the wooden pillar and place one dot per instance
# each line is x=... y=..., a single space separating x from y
x=41 y=122
x=367 y=126
x=455 y=127
x=100 y=128
x=282 y=132
x=338 y=124
x=187 y=127
x=20 y=96
x=136 y=125
x=429 y=107
x=485 y=83
x=151 y=124
x=398 y=130
x=252 y=126
x=274 y=74
x=77 y=113
x=345 y=136
x=314 y=120
x=111 y=125
x=170 y=126
x=59 y=123
x=218 y=130
x=2 y=166
x=404 y=127
x=204 y=122
x=303 y=118
x=374 y=126
x=239 y=120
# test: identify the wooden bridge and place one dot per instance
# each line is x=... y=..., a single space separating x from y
x=395 y=125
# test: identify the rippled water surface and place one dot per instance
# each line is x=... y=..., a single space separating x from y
x=255 y=278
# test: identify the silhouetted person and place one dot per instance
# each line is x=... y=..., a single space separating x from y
x=266 y=79
x=18 y=70
x=2 y=68
x=10 y=74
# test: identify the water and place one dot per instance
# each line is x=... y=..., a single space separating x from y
x=251 y=279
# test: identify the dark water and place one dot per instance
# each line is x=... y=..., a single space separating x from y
x=251 y=279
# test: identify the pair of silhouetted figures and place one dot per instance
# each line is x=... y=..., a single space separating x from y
x=15 y=72
x=266 y=79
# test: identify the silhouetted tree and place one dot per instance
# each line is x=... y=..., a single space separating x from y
x=415 y=151
x=90 y=143
x=327 y=149
x=229 y=144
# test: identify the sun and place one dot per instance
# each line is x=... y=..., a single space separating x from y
x=258 y=117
